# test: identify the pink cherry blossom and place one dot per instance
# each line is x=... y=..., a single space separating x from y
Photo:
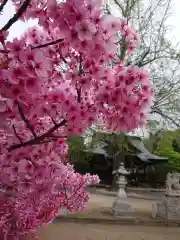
x=56 y=80
x=86 y=30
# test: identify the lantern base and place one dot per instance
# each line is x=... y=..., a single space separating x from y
x=122 y=209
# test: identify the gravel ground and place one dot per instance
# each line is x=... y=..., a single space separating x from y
x=72 y=231
x=97 y=200
x=147 y=194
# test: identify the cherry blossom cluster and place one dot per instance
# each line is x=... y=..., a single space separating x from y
x=56 y=80
x=125 y=100
x=34 y=190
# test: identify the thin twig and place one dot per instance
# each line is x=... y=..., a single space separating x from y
x=81 y=72
x=29 y=126
x=53 y=121
x=42 y=46
x=58 y=125
x=64 y=60
x=57 y=137
x=78 y=95
x=39 y=139
x=18 y=137
x=16 y=16
x=159 y=112
x=2 y=5
x=49 y=43
x=121 y=7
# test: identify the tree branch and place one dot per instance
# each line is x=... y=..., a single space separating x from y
x=123 y=49
x=81 y=72
x=56 y=126
x=29 y=126
x=140 y=62
x=106 y=9
x=121 y=7
x=2 y=5
x=57 y=137
x=159 y=112
x=64 y=60
x=16 y=16
x=18 y=137
x=53 y=121
x=42 y=46
x=78 y=95
x=48 y=44
x=39 y=139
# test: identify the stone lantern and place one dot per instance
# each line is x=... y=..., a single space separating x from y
x=121 y=207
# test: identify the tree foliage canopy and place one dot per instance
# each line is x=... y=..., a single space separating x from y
x=168 y=145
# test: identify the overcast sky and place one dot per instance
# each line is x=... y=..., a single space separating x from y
x=174 y=20
x=19 y=27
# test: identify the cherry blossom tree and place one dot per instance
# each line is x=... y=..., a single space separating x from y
x=155 y=52
x=56 y=80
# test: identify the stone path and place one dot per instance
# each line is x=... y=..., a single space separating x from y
x=72 y=231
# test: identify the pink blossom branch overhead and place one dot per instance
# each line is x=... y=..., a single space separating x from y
x=16 y=16
x=56 y=81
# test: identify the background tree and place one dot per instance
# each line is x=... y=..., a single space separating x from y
x=166 y=144
x=155 y=128
x=116 y=148
x=155 y=52
x=78 y=154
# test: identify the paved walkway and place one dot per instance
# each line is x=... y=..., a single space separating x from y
x=71 y=231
